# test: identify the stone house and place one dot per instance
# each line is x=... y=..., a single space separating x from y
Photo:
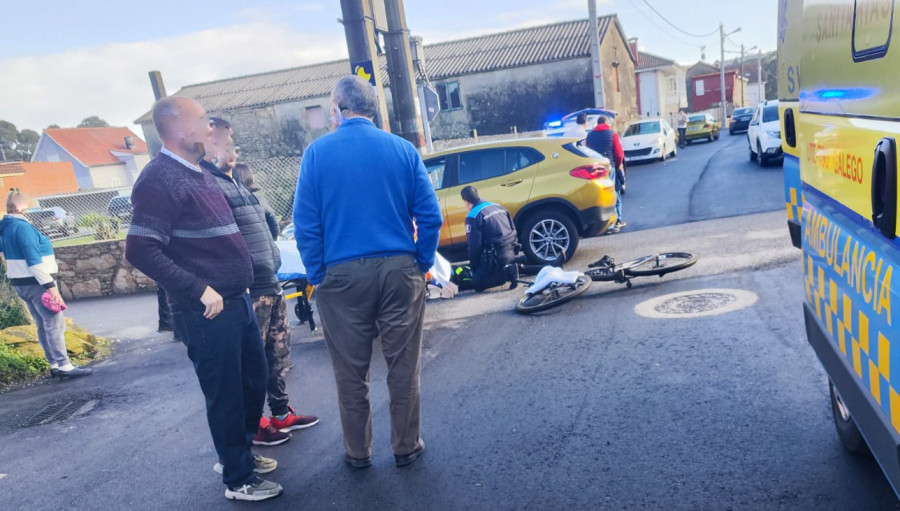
x=101 y=157
x=493 y=84
x=661 y=85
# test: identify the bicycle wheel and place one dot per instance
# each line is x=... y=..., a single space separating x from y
x=661 y=264
x=553 y=296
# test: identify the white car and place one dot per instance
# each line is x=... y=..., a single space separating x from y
x=764 y=134
x=649 y=139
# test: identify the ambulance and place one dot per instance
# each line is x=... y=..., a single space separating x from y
x=839 y=105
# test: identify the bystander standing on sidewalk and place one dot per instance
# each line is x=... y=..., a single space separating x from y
x=30 y=265
x=183 y=236
x=604 y=140
x=268 y=299
x=358 y=246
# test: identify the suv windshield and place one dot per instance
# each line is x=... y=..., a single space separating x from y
x=643 y=128
x=770 y=113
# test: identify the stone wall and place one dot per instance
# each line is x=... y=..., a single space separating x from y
x=98 y=269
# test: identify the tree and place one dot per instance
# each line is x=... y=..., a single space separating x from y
x=93 y=122
x=53 y=127
x=27 y=143
x=8 y=140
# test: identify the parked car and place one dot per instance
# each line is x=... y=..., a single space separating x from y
x=52 y=222
x=555 y=190
x=560 y=127
x=649 y=139
x=740 y=119
x=120 y=208
x=764 y=134
x=701 y=126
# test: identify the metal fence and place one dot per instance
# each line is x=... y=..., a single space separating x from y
x=103 y=214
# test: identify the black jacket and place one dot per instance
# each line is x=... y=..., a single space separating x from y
x=492 y=240
x=250 y=217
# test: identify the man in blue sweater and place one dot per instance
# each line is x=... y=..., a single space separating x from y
x=358 y=192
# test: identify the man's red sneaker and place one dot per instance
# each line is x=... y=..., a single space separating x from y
x=267 y=435
x=292 y=421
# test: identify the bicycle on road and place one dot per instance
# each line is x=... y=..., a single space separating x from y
x=553 y=287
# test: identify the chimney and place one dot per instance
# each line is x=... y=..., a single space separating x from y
x=129 y=142
x=633 y=44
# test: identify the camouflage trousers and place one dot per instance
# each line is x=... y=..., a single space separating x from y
x=271 y=313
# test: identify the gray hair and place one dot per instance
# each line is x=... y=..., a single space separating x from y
x=353 y=94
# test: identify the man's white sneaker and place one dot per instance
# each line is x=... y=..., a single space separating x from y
x=256 y=489
x=261 y=465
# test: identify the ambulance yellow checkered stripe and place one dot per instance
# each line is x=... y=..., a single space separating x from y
x=867 y=350
x=795 y=207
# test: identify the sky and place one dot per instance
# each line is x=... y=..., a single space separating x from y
x=62 y=61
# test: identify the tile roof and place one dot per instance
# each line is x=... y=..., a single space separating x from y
x=94 y=146
x=515 y=48
x=15 y=168
x=648 y=61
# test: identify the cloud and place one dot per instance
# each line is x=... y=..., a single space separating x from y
x=111 y=80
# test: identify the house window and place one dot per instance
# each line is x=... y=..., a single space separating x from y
x=449 y=96
x=615 y=77
x=671 y=84
x=315 y=117
x=699 y=85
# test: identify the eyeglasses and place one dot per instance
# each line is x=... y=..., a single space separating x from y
x=14 y=191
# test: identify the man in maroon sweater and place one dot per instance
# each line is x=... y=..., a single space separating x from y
x=183 y=236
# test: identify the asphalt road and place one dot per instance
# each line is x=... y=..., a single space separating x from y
x=589 y=406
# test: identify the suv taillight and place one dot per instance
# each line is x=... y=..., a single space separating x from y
x=590 y=172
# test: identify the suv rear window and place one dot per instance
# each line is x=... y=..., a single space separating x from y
x=770 y=113
x=582 y=150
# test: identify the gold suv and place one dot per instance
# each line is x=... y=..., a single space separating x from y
x=555 y=190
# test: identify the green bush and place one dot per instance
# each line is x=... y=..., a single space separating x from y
x=105 y=228
x=15 y=368
x=12 y=310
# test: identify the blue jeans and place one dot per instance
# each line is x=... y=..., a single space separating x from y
x=230 y=362
x=51 y=328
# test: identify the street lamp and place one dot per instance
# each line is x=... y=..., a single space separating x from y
x=722 y=36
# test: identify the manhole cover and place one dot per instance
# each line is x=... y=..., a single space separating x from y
x=695 y=304
x=63 y=409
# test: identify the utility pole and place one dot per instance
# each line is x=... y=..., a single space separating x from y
x=743 y=99
x=418 y=56
x=156 y=82
x=359 y=29
x=759 y=87
x=722 y=36
x=403 y=79
x=596 y=66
